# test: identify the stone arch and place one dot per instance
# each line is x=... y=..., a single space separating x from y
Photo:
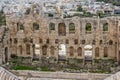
x=105 y=27
x=28 y=49
x=44 y=50
x=88 y=27
x=52 y=26
x=20 y=48
x=79 y=51
x=6 y=54
x=71 y=28
x=61 y=29
x=52 y=50
x=71 y=51
x=105 y=52
x=35 y=26
x=97 y=52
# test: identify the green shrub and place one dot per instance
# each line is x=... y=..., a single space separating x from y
x=22 y=67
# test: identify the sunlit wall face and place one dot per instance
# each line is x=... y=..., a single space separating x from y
x=88 y=53
x=37 y=50
x=62 y=51
x=88 y=50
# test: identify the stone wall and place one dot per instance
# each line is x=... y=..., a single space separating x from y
x=61 y=75
x=32 y=36
x=4 y=45
x=46 y=38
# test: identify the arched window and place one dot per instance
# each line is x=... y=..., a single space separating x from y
x=79 y=51
x=71 y=28
x=20 y=26
x=51 y=26
x=71 y=51
x=61 y=29
x=110 y=42
x=97 y=52
x=28 y=48
x=88 y=27
x=105 y=27
x=52 y=50
x=105 y=52
x=35 y=26
x=44 y=50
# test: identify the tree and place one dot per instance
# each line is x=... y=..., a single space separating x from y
x=2 y=18
x=79 y=8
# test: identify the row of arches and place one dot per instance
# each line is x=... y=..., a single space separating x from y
x=63 y=50
x=62 y=27
x=20 y=26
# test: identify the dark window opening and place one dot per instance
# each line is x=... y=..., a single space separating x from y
x=35 y=26
x=47 y=41
x=105 y=52
x=71 y=51
x=76 y=41
x=56 y=41
x=40 y=41
x=52 y=26
x=93 y=42
x=15 y=40
x=28 y=48
x=105 y=27
x=110 y=42
x=83 y=41
x=101 y=41
x=67 y=41
x=88 y=27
